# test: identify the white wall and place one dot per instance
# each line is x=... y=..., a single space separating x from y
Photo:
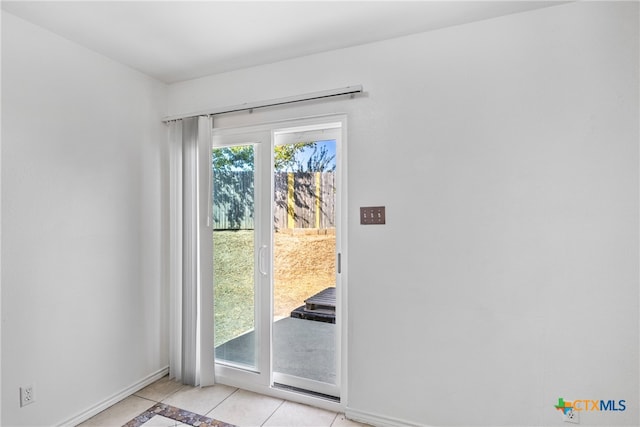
x=82 y=280
x=506 y=153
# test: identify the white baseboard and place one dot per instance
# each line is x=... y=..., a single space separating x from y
x=117 y=397
x=379 y=420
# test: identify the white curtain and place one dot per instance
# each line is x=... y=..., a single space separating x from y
x=191 y=359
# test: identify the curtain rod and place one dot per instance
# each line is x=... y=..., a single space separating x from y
x=349 y=90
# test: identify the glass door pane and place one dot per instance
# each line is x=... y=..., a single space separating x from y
x=234 y=255
x=304 y=264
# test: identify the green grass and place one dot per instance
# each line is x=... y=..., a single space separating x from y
x=303 y=266
x=233 y=290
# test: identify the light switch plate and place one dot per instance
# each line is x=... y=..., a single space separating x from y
x=372 y=215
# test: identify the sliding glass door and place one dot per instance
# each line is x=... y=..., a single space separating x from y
x=277 y=279
x=304 y=338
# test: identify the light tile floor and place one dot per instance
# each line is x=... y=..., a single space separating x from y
x=227 y=404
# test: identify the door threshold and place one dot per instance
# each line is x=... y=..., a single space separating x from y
x=310 y=393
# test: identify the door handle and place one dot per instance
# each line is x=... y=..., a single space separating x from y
x=262 y=260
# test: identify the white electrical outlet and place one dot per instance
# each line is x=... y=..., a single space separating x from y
x=27 y=395
x=571 y=416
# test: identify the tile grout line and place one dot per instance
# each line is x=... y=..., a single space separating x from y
x=175 y=392
x=143 y=398
x=272 y=413
x=334 y=419
x=223 y=400
x=182 y=387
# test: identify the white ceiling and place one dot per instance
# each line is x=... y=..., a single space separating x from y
x=181 y=40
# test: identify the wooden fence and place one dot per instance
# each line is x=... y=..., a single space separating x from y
x=301 y=200
x=233 y=200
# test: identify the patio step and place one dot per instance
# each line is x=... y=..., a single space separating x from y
x=301 y=313
x=320 y=307
x=323 y=301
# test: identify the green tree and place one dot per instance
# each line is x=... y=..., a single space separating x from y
x=233 y=158
x=319 y=161
x=284 y=156
x=240 y=158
